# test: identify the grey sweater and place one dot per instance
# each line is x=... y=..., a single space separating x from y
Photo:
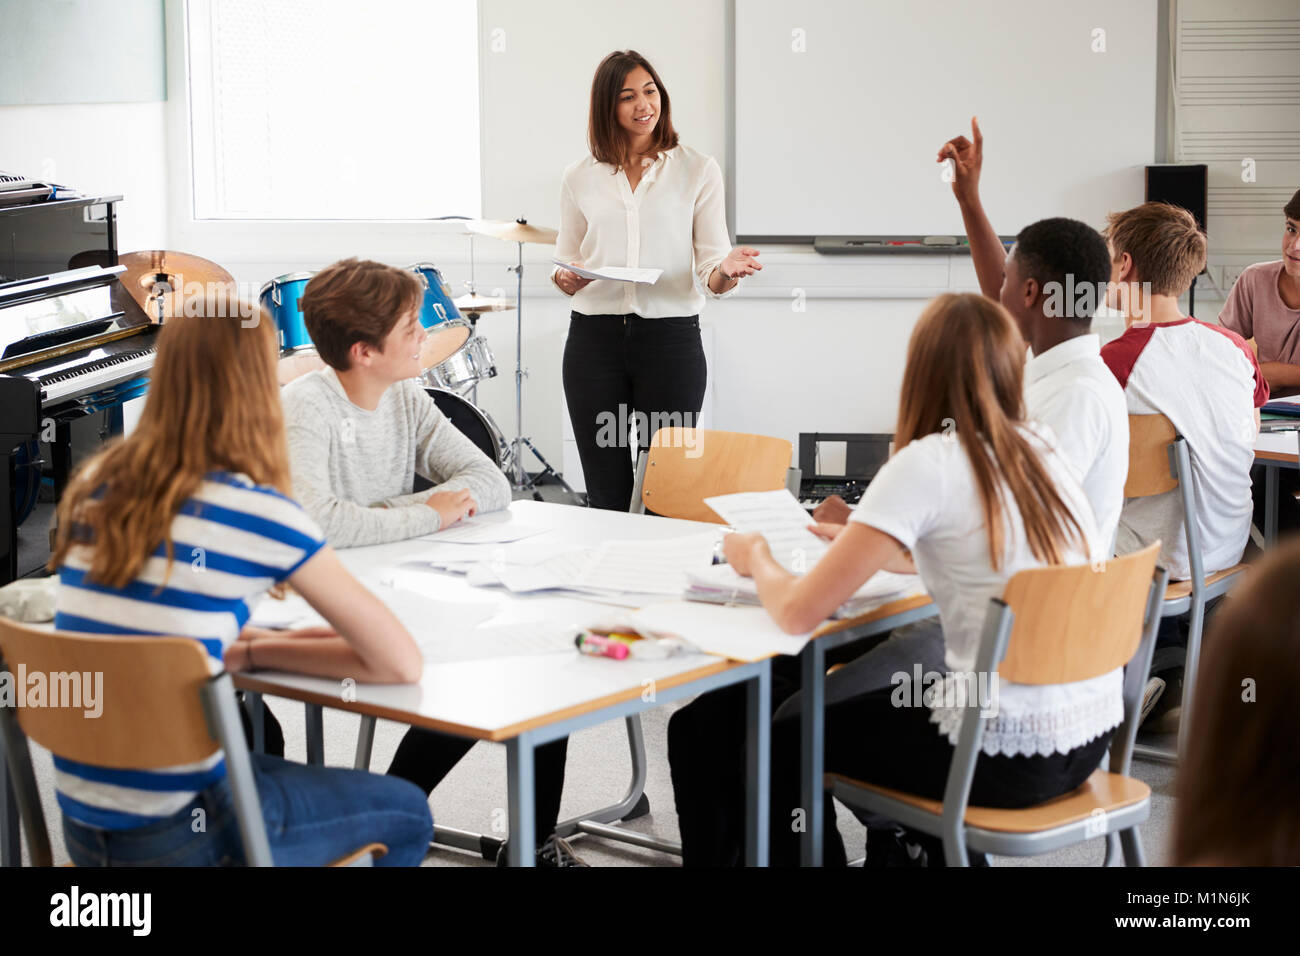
x=353 y=470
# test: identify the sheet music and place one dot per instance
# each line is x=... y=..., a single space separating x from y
x=614 y=273
x=778 y=517
x=648 y=567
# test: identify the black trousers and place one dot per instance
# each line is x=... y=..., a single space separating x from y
x=424 y=757
x=623 y=368
x=867 y=737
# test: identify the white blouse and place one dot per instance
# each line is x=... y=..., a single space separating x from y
x=675 y=220
x=925 y=496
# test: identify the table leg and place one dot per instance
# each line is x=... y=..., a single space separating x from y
x=11 y=847
x=256 y=707
x=522 y=790
x=812 y=719
x=315 y=718
x=365 y=743
x=758 y=754
x=1270 y=505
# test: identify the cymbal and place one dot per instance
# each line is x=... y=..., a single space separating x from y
x=473 y=302
x=517 y=231
x=160 y=275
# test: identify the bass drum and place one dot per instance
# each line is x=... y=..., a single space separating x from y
x=476 y=424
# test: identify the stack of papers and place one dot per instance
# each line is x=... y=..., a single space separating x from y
x=638 y=568
x=720 y=584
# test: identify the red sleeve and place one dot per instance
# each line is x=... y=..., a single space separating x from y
x=1261 y=383
x=1121 y=354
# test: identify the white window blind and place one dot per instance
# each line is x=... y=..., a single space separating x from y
x=321 y=109
x=1236 y=98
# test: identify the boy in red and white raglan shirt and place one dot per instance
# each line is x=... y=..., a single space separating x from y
x=1206 y=380
x=1203 y=377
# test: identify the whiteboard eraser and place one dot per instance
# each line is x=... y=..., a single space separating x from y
x=939 y=241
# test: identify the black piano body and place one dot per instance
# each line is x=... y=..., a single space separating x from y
x=72 y=344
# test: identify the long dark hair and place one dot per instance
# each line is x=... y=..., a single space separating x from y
x=607 y=139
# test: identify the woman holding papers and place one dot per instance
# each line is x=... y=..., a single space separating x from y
x=975 y=493
x=640 y=199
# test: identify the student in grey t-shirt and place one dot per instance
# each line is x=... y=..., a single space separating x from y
x=359 y=430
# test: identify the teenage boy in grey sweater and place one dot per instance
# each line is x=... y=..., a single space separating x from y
x=359 y=430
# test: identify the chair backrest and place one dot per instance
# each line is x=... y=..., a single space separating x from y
x=686 y=465
x=137 y=700
x=1073 y=622
x=1149 y=471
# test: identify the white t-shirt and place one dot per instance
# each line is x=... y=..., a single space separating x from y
x=925 y=496
x=1070 y=389
x=1206 y=380
x=676 y=220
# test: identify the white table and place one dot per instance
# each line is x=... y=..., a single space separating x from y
x=524 y=702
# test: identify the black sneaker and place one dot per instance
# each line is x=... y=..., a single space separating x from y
x=555 y=853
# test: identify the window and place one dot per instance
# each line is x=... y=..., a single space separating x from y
x=321 y=109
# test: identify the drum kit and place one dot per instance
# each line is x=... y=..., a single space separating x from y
x=454 y=359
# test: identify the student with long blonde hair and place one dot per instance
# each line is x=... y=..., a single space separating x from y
x=174 y=531
x=973 y=494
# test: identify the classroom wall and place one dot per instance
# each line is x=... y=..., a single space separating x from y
x=812 y=345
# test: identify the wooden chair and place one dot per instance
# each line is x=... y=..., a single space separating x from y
x=161 y=706
x=683 y=467
x=686 y=465
x=1052 y=625
x=1158 y=462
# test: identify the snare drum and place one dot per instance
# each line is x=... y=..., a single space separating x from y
x=468 y=365
x=282 y=298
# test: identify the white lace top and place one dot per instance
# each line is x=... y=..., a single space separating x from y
x=926 y=498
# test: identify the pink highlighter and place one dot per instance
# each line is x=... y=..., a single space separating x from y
x=598 y=645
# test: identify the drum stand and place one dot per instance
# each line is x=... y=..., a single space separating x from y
x=521 y=480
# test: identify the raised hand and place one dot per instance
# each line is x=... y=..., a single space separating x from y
x=967 y=158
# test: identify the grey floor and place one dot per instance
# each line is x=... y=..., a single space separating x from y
x=472 y=797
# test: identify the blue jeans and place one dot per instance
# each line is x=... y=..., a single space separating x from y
x=314 y=815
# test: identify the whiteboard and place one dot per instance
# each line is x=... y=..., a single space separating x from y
x=842 y=105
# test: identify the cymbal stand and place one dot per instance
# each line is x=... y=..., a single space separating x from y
x=521 y=480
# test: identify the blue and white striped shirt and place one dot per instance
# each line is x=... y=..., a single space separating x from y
x=232 y=540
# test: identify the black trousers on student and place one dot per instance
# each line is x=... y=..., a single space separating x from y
x=706 y=757
x=424 y=757
x=867 y=737
x=621 y=368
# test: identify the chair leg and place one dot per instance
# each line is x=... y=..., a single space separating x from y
x=365 y=742
x=1190 y=668
x=1114 y=854
x=1132 y=843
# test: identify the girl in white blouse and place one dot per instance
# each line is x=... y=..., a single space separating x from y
x=640 y=199
x=973 y=495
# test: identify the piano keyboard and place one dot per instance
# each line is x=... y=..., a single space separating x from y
x=81 y=376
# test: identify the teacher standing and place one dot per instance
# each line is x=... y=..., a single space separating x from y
x=642 y=200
